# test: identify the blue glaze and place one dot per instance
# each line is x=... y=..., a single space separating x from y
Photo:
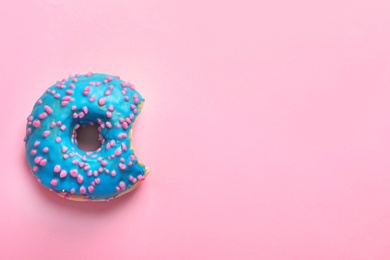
x=110 y=186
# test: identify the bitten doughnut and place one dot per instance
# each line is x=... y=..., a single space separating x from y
x=51 y=145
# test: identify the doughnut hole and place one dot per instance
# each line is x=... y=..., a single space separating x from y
x=87 y=137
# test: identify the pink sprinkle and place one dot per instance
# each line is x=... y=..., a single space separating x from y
x=111 y=108
x=65 y=156
x=81 y=114
x=92 y=98
x=107 y=93
x=103 y=163
x=130 y=163
x=122 y=185
x=101 y=101
x=89 y=173
x=128 y=120
x=109 y=78
x=48 y=109
x=58 y=139
x=33 y=152
x=125 y=125
x=43 y=162
x=105 y=81
x=63 y=174
x=89 y=74
x=35 y=168
x=80 y=179
x=117 y=188
x=46 y=133
x=132 y=106
x=131 y=116
x=64 y=149
x=113 y=173
x=64 y=103
x=118 y=152
x=36 y=123
x=45 y=150
x=52 y=125
x=108 y=114
x=75 y=115
x=74 y=173
x=63 y=127
x=66 y=98
x=141 y=178
x=82 y=190
x=43 y=115
x=57 y=168
x=126 y=98
x=75 y=162
x=72 y=191
x=97 y=180
x=122 y=160
x=54 y=182
x=90 y=189
x=71 y=85
x=108 y=124
x=132 y=157
x=74 y=80
x=36 y=143
x=69 y=92
x=39 y=101
x=98 y=84
x=57 y=95
x=122 y=166
x=85 y=109
x=132 y=179
x=124 y=148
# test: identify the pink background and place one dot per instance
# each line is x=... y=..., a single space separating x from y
x=266 y=126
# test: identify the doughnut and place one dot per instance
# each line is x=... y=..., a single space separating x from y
x=93 y=99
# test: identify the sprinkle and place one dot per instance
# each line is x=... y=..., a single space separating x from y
x=57 y=168
x=122 y=166
x=45 y=150
x=75 y=115
x=124 y=148
x=90 y=189
x=54 y=182
x=64 y=103
x=141 y=178
x=72 y=191
x=33 y=152
x=43 y=162
x=101 y=101
x=108 y=124
x=36 y=123
x=43 y=115
x=103 y=163
x=111 y=108
x=113 y=173
x=85 y=109
x=118 y=152
x=64 y=149
x=74 y=173
x=108 y=114
x=125 y=125
x=36 y=143
x=58 y=139
x=63 y=127
x=92 y=98
x=46 y=133
x=63 y=174
x=82 y=190
x=57 y=95
x=80 y=179
x=48 y=110
x=122 y=185
x=37 y=159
